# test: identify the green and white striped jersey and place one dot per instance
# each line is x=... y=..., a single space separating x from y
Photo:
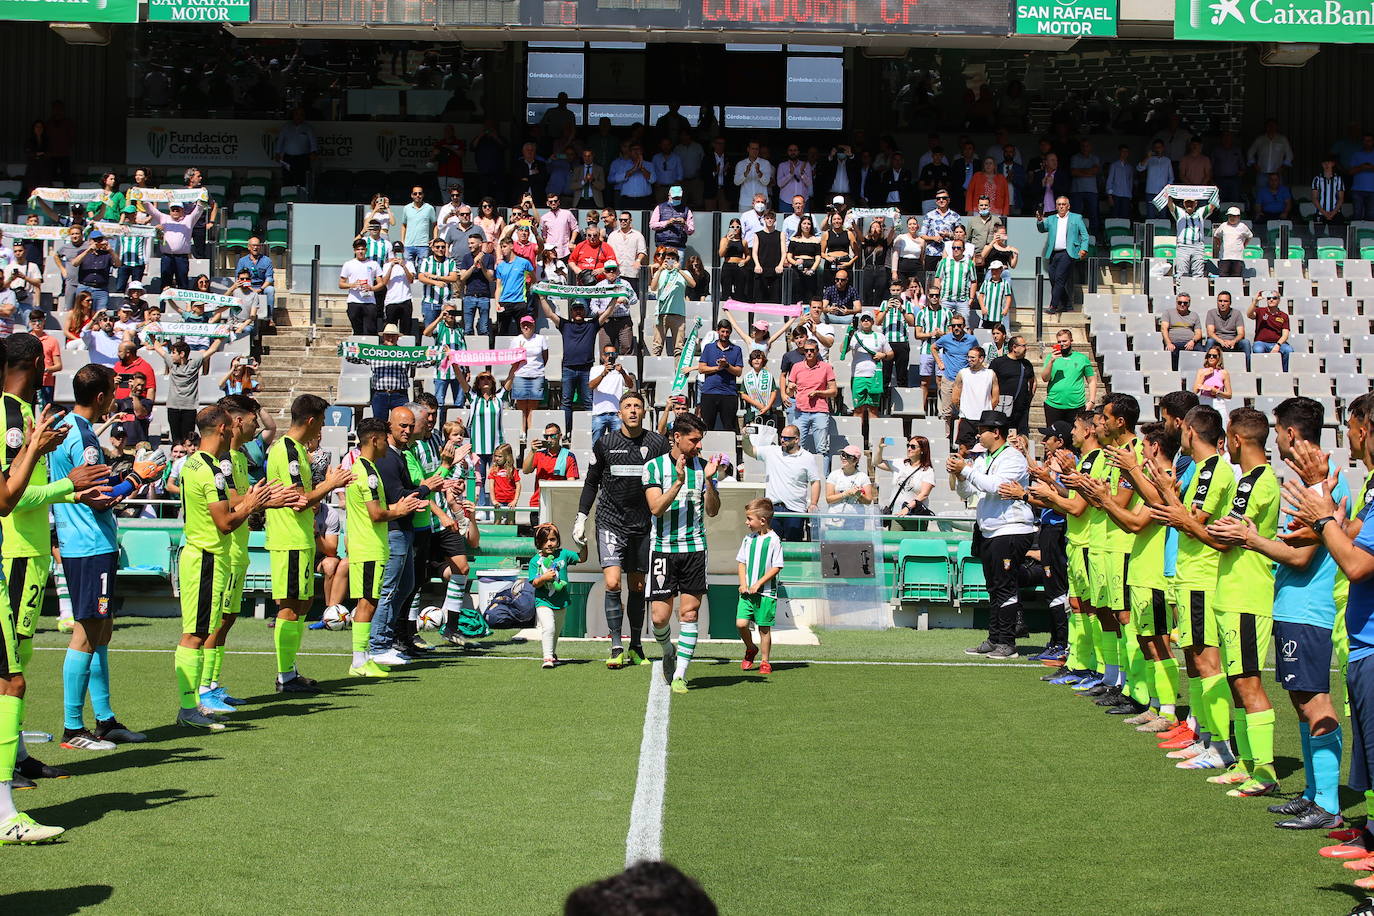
x=956 y=279
x=760 y=553
x=930 y=320
x=133 y=250
x=377 y=249
x=994 y=293
x=484 y=424
x=453 y=338
x=436 y=295
x=894 y=319
x=682 y=529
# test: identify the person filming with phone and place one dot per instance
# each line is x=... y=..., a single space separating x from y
x=1071 y=379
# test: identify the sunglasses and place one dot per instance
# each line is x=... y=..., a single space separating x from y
x=911 y=445
x=811 y=350
x=942 y=198
x=1211 y=356
x=790 y=438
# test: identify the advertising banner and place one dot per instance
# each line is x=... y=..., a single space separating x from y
x=1067 y=18
x=1340 y=21
x=198 y=10
x=391 y=146
x=70 y=10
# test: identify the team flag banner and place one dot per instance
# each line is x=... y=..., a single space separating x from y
x=143 y=232
x=871 y=212
x=687 y=359
x=763 y=308
x=216 y=301
x=573 y=291
x=389 y=354
x=187 y=329
x=483 y=357
x=1202 y=193
x=167 y=195
x=43 y=233
x=70 y=195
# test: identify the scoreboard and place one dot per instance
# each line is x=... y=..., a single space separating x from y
x=916 y=17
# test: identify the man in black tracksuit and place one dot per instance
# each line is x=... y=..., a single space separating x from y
x=622 y=520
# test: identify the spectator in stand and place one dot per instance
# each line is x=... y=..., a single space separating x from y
x=1049 y=182
x=183 y=373
x=672 y=223
x=667 y=168
x=379 y=212
x=1159 y=172
x=717 y=174
x=295 y=148
x=840 y=298
x=1189 y=233
x=721 y=365
x=609 y=382
x=418 y=220
x=1273 y=200
x=909 y=247
x=374 y=238
x=437 y=273
x=913 y=480
x=628 y=245
x=527 y=387
x=617 y=329
x=529 y=174
x=751 y=220
x=457 y=229
x=871 y=350
x=102 y=341
x=398 y=302
x=759 y=390
x=579 y=352
x=897 y=186
x=390 y=383
x=1271 y=152
x=795 y=178
x=1234 y=236
x=670 y=285
x=1362 y=178
x=52 y=357
x=1228 y=162
x=935 y=175
x=65 y=254
x=1085 y=168
x=1120 y=185
x=362 y=278
x=588 y=182
x=21 y=284
x=1015 y=385
x=937 y=229
x=896 y=319
x=591 y=254
x=637 y=188
x=510 y=299
x=791 y=478
x=547 y=459
x=1181 y=328
x=129 y=366
x=753 y=175
x=811 y=384
x=93 y=265
x=448 y=213
x=766 y=255
x=975 y=391
x=1195 y=168
x=484 y=423
x=523 y=239
x=446 y=329
x=242 y=377
x=1212 y=383
x=1272 y=325
x=491 y=222
x=803 y=259
x=839 y=247
x=261 y=274
x=80 y=315
x=1328 y=194
x=448 y=159
x=983 y=222
x=1226 y=328
x=558 y=226
x=847 y=490
x=957 y=278
x=733 y=255
x=175 y=244
x=996 y=305
x=477 y=274
x=1070 y=379
x=194 y=181
x=1066 y=241
x=699 y=273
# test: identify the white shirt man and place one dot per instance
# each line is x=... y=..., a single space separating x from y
x=792 y=222
x=794 y=175
x=1233 y=234
x=752 y=176
x=975 y=383
x=791 y=474
x=630 y=248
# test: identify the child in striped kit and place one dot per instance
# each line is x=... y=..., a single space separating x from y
x=760 y=563
x=548 y=573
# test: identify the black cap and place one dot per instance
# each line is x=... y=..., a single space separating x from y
x=993 y=419
x=1060 y=429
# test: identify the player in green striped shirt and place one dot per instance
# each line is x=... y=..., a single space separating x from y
x=209 y=520
x=760 y=564
x=437 y=274
x=681 y=491
x=995 y=297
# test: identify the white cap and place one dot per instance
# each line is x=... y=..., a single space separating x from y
x=1233 y=211
x=837 y=199
x=995 y=265
x=134 y=284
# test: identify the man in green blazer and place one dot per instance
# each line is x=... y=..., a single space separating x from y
x=1066 y=242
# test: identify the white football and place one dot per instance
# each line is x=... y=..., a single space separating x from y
x=432 y=618
x=335 y=617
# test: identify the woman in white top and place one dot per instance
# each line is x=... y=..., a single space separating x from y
x=1212 y=384
x=912 y=481
x=380 y=210
x=847 y=491
x=527 y=387
x=909 y=246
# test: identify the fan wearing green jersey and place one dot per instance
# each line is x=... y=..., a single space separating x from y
x=27 y=532
x=1244 y=604
x=680 y=489
x=760 y=563
x=291 y=534
x=244 y=414
x=368 y=515
x=1151 y=610
x=202 y=572
x=1207 y=498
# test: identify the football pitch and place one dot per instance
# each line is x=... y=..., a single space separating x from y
x=874 y=773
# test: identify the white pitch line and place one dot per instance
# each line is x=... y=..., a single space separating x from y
x=644 y=842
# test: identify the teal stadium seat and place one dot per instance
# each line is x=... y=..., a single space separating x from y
x=923 y=570
x=145 y=553
x=972 y=585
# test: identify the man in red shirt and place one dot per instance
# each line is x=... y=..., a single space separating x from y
x=811 y=383
x=1272 y=325
x=130 y=365
x=52 y=356
x=591 y=254
x=547 y=459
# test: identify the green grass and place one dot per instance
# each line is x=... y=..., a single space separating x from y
x=490 y=786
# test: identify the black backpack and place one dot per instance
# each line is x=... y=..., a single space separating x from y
x=512 y=608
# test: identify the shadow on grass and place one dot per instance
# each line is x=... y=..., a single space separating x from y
x=56 y=901
x=86 y=810
x=286 y=708
x=140 y=756
x=1347 y=890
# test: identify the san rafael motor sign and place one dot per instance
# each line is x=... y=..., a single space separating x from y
x=1337 y=21
x=197 y=10
x=1067 y=18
